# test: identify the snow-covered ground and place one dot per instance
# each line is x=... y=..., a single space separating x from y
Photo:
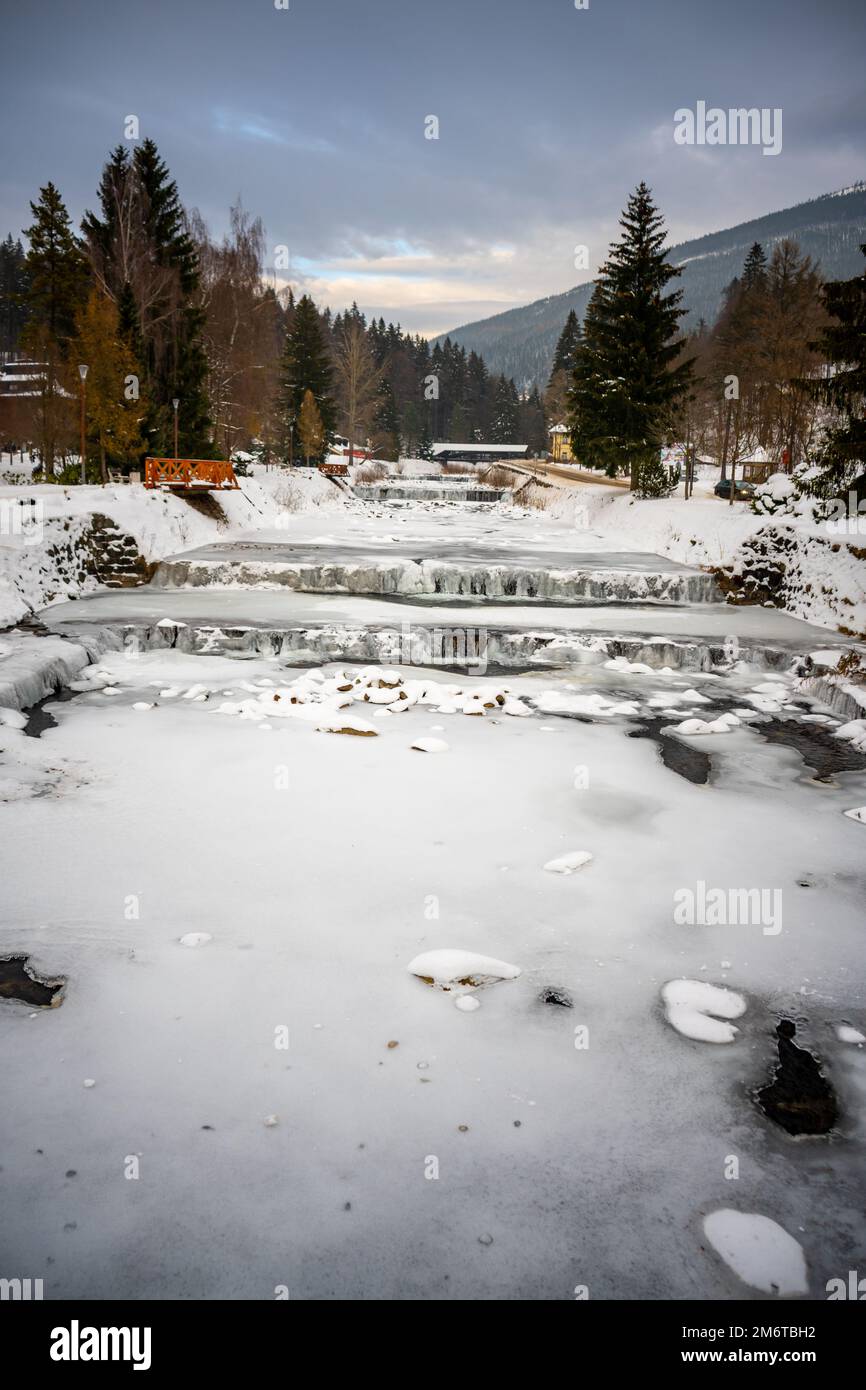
x=389 y=981
x=43 y=529
x=826 y=581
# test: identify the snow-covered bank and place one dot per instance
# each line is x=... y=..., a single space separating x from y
x=32 y=667
x=46 y=537
x=818 y=572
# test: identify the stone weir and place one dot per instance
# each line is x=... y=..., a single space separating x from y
x=435 y=644
x=449 y=573
x=422 y=490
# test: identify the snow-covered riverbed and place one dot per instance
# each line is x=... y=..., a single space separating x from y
x=319 y=865
x=233 y=856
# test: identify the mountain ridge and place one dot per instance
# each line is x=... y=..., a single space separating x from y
x=520 y=342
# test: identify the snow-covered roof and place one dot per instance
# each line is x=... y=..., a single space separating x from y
x=481 y=448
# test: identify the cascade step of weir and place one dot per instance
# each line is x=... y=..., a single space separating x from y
x=313 y=629
x=455 y=570
x=457 y=647
x=426 y=490
x=456 y=587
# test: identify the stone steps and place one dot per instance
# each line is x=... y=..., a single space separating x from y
x=116 y=560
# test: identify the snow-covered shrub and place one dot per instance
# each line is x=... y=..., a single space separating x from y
x=655 y=478
x=241 y=462
x=371 y=472
x=778 y=493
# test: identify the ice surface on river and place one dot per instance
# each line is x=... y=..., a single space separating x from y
x=285 y=1086
x=320 y=866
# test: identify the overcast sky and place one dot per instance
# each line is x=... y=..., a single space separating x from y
x=548 y=116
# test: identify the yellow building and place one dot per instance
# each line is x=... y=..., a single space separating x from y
x=560 y=444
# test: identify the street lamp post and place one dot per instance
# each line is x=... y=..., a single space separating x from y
x=175 y=404
x=82 y=372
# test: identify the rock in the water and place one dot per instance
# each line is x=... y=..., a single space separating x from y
x=799 y=1098
x=555 y=994
x=346 y=724
x=449 y=968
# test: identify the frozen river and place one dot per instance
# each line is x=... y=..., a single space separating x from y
x=284 y=1105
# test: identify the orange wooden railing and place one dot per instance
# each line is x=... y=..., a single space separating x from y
x=192 y=474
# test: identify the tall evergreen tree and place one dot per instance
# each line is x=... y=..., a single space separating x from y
x=532 y=425
x=144 y=257
x=505 y=412
x=306 y=366
x=754 y=268
x=563 y=358
x=387 y=423
x=556 y=394
x=13 y=291
x=57 y=281
x=56 y=269
x=425 y=444
x=843 y=345
x=593 y=439
x=627 y=380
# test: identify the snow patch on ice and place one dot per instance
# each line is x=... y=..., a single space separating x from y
x=691 y=1004
x=446 y=968
x=569 y=863
x=758 y=1250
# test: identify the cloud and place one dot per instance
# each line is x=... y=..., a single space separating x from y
x=246 y=126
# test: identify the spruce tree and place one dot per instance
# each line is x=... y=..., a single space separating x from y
x=181 y=370
x=626 y=386
x=592 y=438
x=387 y=424
x=754 y=268
x=532 y=425
x=843 y=344
x=425 y=445
x=57 y=276
x=144 y=257
x=563 y=358
x=57 y=281
x=13 y=289
x=505 y=412
x=306 y=366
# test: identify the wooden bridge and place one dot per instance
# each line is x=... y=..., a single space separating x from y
x=189 y=475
